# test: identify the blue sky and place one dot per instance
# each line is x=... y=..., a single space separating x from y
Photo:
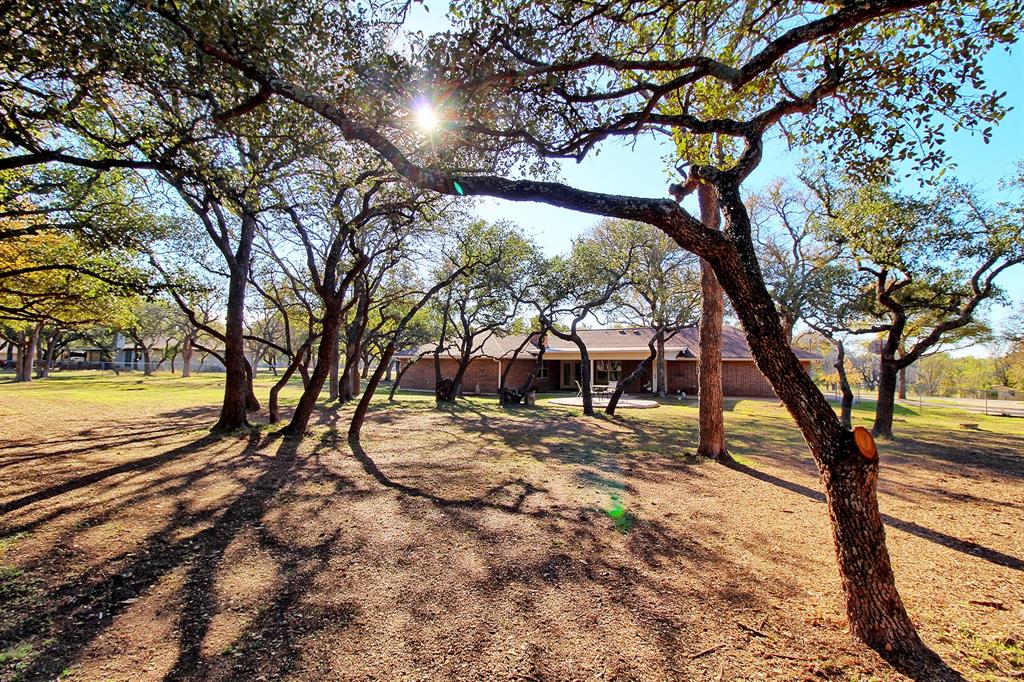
x=639 y=167
x=641 y=170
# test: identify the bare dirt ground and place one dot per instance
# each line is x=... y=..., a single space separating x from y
x=477 y=544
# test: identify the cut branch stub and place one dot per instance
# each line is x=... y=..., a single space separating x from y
x=865 y=443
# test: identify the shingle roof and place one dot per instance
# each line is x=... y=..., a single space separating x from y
x=684 y=344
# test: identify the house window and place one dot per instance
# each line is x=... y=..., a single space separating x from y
x=607 y=371
x=542 y=371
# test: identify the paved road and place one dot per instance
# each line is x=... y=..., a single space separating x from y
x=996 y=407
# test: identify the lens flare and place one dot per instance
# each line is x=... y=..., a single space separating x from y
x=426 y=118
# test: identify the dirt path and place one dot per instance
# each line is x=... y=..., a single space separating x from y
x=474 y=545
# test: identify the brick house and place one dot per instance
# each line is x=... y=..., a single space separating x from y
x=614 y=354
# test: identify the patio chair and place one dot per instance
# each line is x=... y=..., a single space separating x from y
x=579 y=389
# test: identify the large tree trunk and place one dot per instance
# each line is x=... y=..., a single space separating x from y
x=147 y=367
x=252 y=403
x=586 y=381
x=460 y=373
x=186 y=357
x=29 y=342
x=884 y=407
x=873 y=606
x=233 y=413
x=903 y=383
x=296 y=428
x=47 y=361
x=662 y=360
x=711 y=439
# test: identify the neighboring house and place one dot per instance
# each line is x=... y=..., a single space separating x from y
x=614 y=354
x=1005 y=393
x=127 y=355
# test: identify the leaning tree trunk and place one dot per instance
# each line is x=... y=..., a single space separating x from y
x=538 y=364
x=296 y=428
x=711 y=438
x=273 y=415
x=846 y=403
x=873 y=605
x=460 y=374
x=398 y=378
x=355 y=426
x=885 y=406
x=635 y=375
x=147 y=366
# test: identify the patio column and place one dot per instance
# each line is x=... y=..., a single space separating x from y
x=593 y=377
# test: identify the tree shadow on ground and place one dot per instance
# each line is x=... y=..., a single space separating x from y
x=271 y=477
x=967 y=547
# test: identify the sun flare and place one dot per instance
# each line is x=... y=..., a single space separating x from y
x=426 y=118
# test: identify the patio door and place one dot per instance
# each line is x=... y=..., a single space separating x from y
x=570 y=374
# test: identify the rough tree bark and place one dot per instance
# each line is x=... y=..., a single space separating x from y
x=186 y=357
x=711 y=439
x=662 y=361
x=330 y=325
x=334 y=385
x=885 y=405
x=234 y=412
x=28 y=342
x=873 y=605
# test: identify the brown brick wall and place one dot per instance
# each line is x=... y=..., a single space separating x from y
x=682 y=376
x=745 y=379
x=482 y=372
x=521 y=369
x=739 y=378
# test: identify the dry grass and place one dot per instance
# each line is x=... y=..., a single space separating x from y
x=475 y=543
